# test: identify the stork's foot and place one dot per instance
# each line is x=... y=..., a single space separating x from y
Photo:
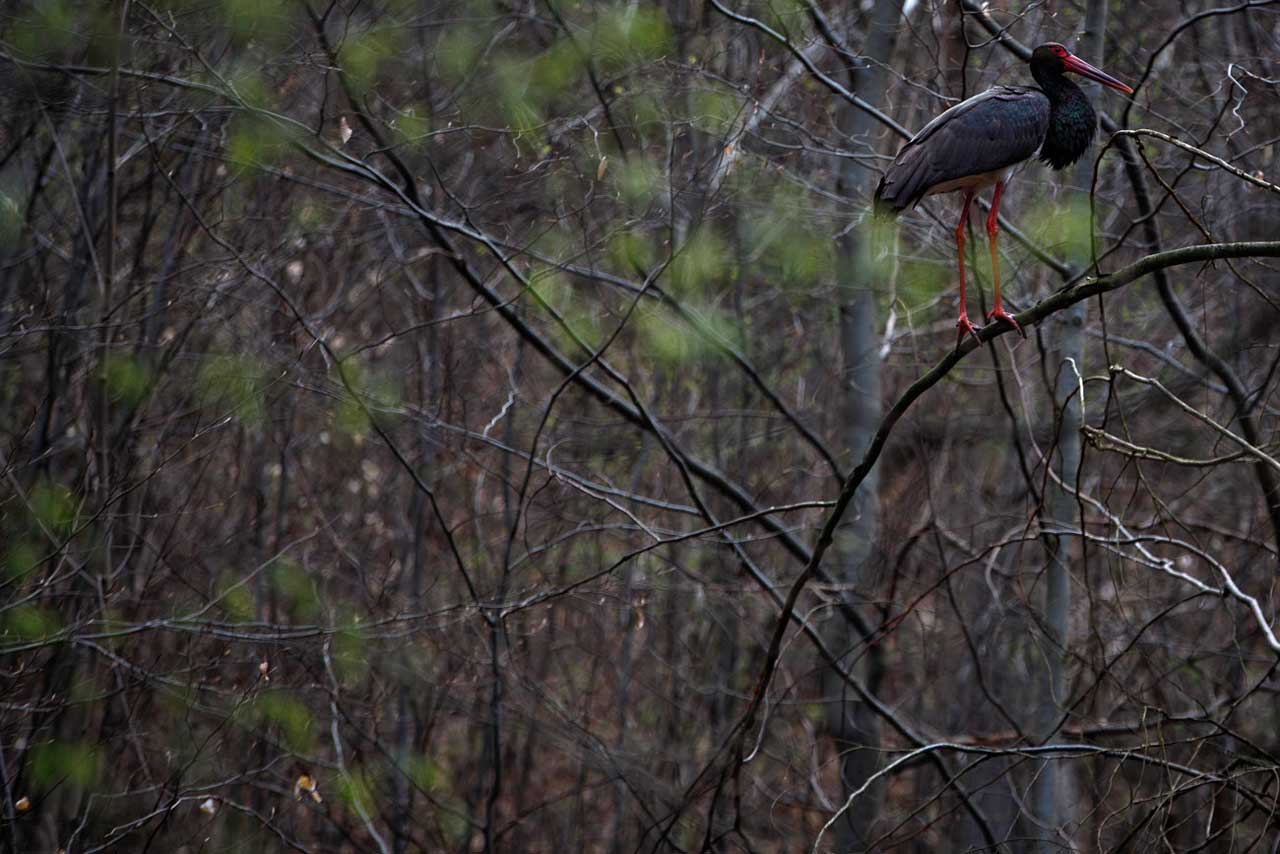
x=1003 y=316
x=964 y=327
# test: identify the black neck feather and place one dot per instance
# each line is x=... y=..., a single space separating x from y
x=1071 y=120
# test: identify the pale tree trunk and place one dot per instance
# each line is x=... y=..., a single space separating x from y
x=853 y=726
x=1052 y=795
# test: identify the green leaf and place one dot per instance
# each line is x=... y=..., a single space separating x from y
x=43 y=32
x=295 y=589
x=235 y=599
x=519 y=109
x=54 y=506
x=414 y=129
x=627 y=35
x=702 y=262
x=362 y=56
x=713 y=111
x=56 y=761
x=29 y=623
x=235 y=383
x=457 y=52
x=254 y=141
x=255 y=20
x=632 y=250
x=426 y=775
x=20 y=559
x=282 y=710
x=637 y=181
x=349 y=654
x=356 y=788
x=361 y=396
x=127 y=378
x=921 y=281
x=1064 y=228
x=555 y=72
x=674 y=344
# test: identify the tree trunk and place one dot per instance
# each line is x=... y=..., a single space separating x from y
x=854 y=727
x=1052 y=796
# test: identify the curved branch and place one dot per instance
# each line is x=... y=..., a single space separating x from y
x=1045 y=308
x=1267 y=481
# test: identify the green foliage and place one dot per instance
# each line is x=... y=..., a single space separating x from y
x=414 y=129
x=290 y=715
x=249 y=85
x=29 y=623
x=700 y=263
x=362 y=56
x=802 y=256
x=47 y=29
x=631 y=251
x=454 y=825
x=789 y=249
x=550 y=287
x=235 y=599
x=430 y=776
x=295 y=590
x=519 y=110
x=581 y=316
x=236 y=383
x=637 y=182
x=880 y=248
x=54 y=506
x=626 y=35
x=457 y=51
x=785 y=16
x=921 y=281
x=555 y=73
x=646 y=113
x=1065 y=229
x=127 y=378
x=349 y=653
x=356 y=788
x=425 y=774
x=254 y=141
x=362 y=396
x=673 y=344
x=713 y=111
x=663 y=340
x=20 y=559
x=255 y=20
x=54 y=762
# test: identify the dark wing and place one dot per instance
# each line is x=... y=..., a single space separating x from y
x=990 y=131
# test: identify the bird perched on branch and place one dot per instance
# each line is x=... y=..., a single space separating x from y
x=977 y=144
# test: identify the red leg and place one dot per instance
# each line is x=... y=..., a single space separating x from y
x=963 y=326
x=993 y=229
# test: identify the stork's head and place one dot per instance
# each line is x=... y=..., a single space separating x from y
x=1053 y=60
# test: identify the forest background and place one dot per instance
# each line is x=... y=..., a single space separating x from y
x=494 y=426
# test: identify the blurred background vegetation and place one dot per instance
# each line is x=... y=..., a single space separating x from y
x=412 y=416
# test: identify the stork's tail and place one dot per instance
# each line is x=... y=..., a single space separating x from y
x=883 y=207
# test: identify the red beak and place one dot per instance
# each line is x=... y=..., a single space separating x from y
x=1070 y=62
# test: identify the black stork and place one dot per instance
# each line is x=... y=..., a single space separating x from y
x=978 y=143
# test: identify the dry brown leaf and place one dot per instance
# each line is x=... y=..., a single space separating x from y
x=307 y=784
